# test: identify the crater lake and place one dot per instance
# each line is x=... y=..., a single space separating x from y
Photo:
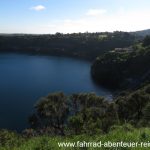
x=24 y=79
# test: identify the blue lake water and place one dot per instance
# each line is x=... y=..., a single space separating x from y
x=25 y=78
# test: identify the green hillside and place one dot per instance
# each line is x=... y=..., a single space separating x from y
x=127 y=134
x=82 y=45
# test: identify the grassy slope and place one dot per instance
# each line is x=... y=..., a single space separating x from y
x=124 y=133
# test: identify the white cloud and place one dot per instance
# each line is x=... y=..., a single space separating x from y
x=118 y=20
x=96 y=12
x=38 y=8
x=121 y=19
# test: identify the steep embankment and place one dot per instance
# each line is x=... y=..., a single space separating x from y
x=123 y=69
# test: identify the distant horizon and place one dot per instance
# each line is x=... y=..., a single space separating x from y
x=73 y=32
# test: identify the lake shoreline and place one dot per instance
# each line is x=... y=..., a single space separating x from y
x=26 y=78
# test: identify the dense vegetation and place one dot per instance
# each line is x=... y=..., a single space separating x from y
x=124 y=69
x=84 y=117
x=83 y=45
x=126 y=133
x=57 y=114
x=87 y=117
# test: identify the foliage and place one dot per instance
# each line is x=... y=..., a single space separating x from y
x=123 y=69
x=9 y=139
x=57 y=114
x=146 y=41
x=125 y=133
x=87 y=113
x=133 y=107
x=86 y=116
x=82 y=45
x=51 y=112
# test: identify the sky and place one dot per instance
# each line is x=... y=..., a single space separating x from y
x=70 y=16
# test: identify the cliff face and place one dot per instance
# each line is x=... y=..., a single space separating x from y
x=122 y=70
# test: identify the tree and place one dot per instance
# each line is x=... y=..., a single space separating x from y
x=92 y=115
x=146 y=41
x=52 y=111
x=130 y=107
